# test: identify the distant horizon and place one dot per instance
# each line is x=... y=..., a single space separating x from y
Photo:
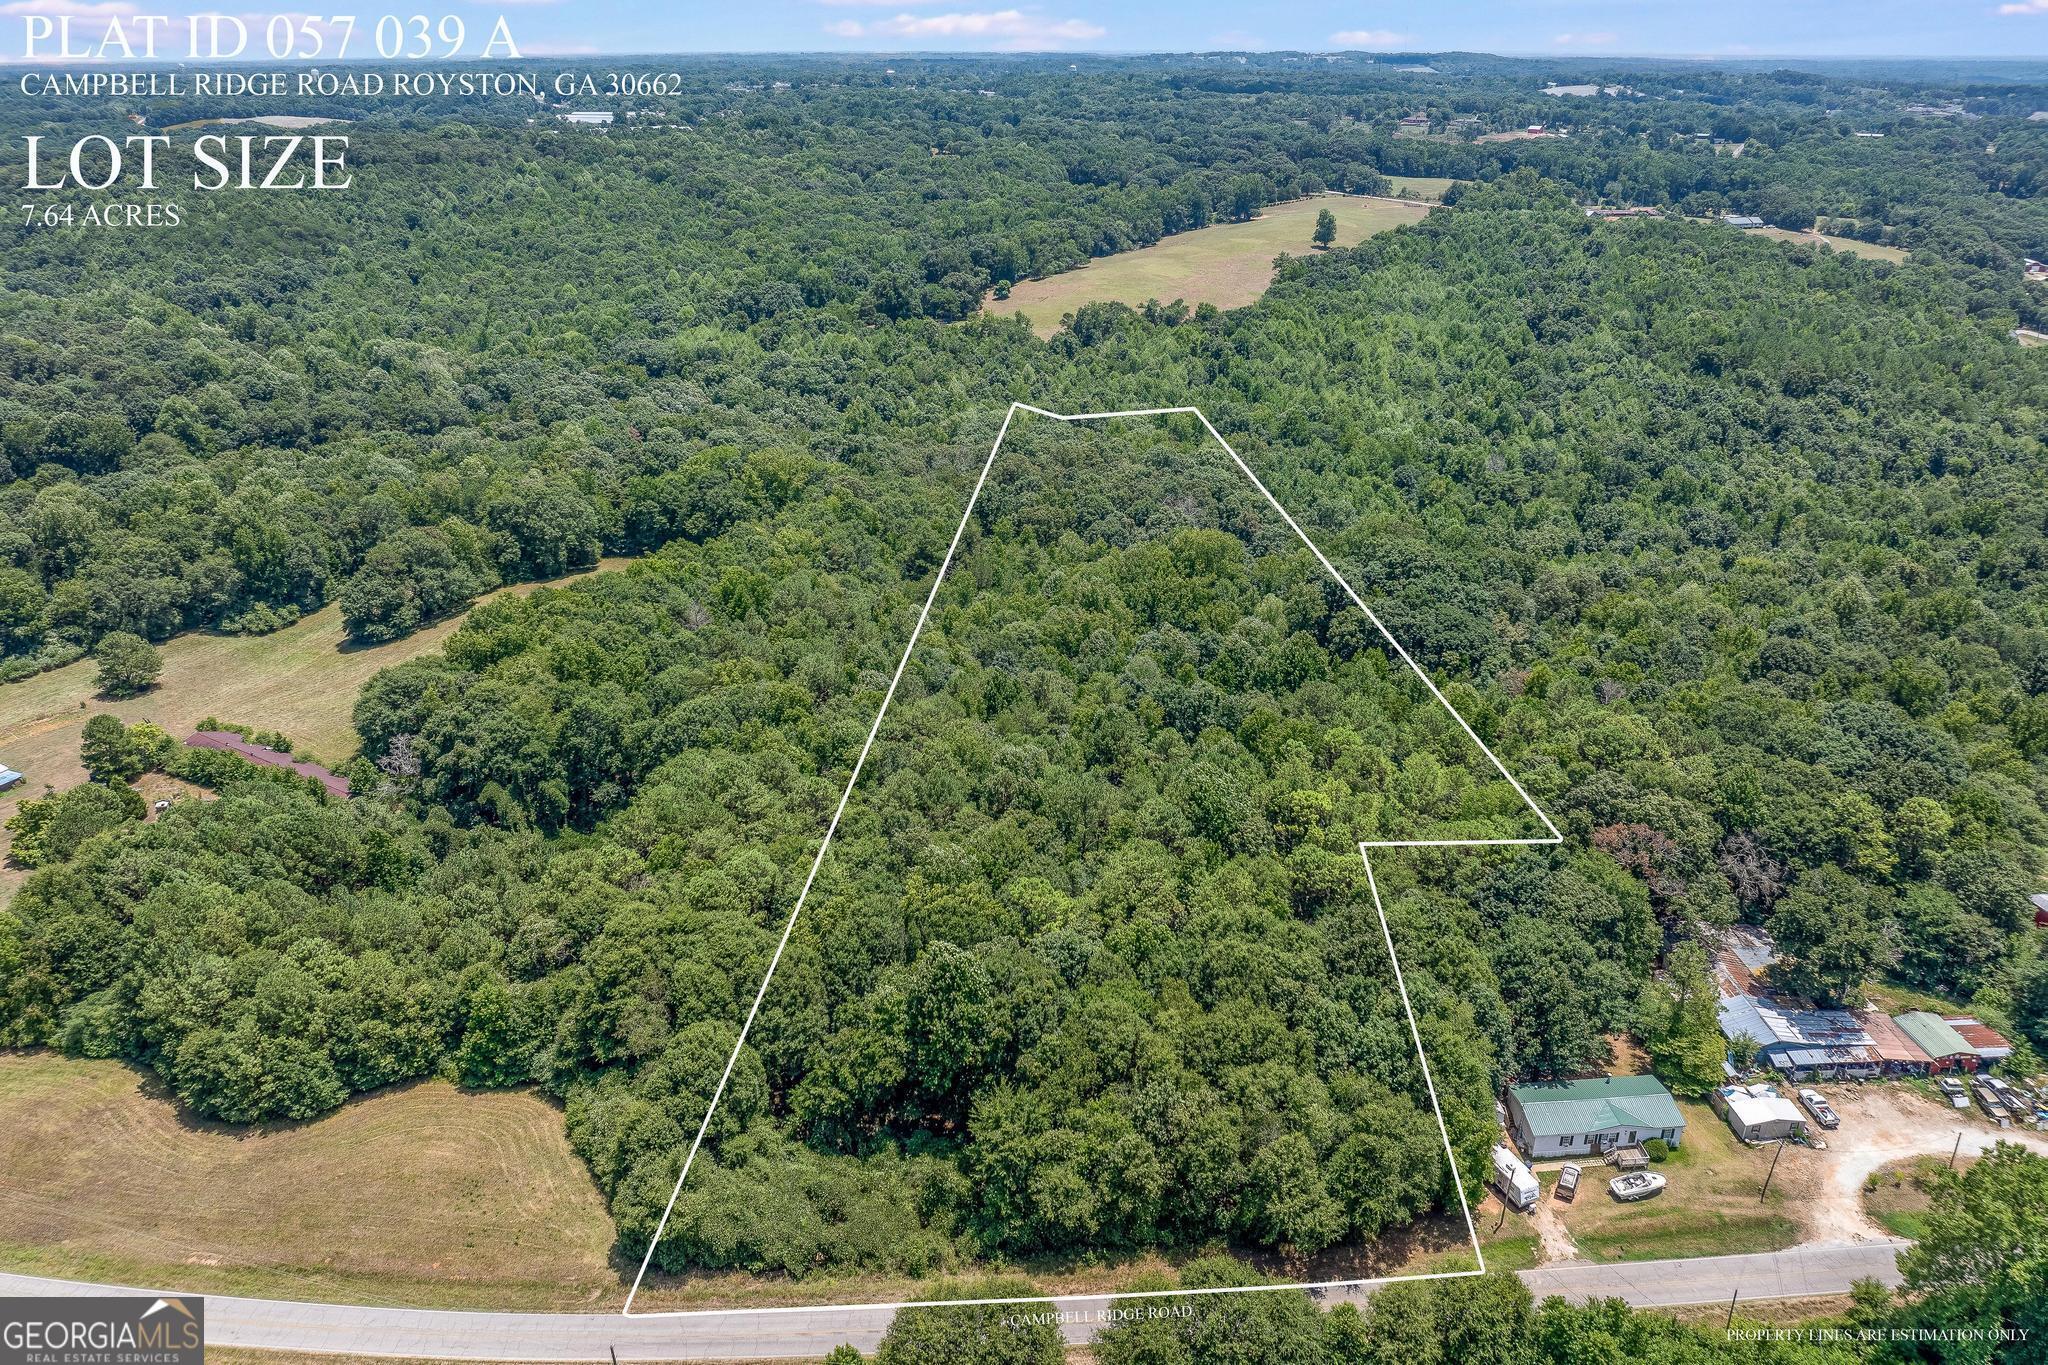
x=1564 y=30
x=1379 y=58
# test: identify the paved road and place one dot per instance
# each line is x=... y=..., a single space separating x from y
x=810 y=1332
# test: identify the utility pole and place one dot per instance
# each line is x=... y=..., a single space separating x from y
x=1731 y=1308
x=1765 y=1191
x=1958 y=1151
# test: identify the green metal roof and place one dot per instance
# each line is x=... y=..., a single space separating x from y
x=1558 y=1108
x=1933 y=1034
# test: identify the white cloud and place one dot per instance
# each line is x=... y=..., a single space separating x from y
x=1011 y=27
x=1368 y=37
x=1583 y=39
x=2025 y=7
x=878 y=4
x=73 y=9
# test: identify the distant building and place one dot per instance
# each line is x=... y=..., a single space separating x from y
x=9 y=778
x=2040 y=904
x=1947 y=1049
x=1588 y=1118
x=1758 y=1113
x=587 y=116
x=227 y=741
x=1742 y=220
x=2036 y=270
x=1415 y=121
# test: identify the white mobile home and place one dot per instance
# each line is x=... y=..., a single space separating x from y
x=1586 y=1118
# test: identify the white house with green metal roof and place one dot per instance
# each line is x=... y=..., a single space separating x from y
x=1588 y=1118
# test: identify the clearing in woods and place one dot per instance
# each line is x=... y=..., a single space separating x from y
x=1431 y=187
x=300 y=680
x=1871 y=251
x=1228 y=265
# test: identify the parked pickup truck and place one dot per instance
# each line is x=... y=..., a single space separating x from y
x=1823 y=1112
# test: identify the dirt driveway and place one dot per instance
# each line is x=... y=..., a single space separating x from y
x=1883 y=1124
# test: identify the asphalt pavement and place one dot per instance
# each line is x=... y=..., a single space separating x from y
x=800 y=1333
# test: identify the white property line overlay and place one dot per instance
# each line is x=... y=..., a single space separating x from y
x=853 y=779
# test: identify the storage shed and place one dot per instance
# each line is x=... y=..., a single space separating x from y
x=1758 y=1113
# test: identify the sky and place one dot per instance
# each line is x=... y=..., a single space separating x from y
x=1815 y=28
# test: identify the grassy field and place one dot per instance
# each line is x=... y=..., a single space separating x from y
x=1428 y=186
x=1228 y=265
x=301 y=680
x=1710 y=1207
x=1898 y=1196
x=1868 y=250
x=421 y=1194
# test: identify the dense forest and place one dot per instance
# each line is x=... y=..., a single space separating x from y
x=1735 y=552
x=229 y=425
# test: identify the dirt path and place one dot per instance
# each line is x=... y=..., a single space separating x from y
x=1553 y=1239
x=1882 y=1124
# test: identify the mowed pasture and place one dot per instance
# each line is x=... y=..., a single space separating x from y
x=422 y=1194
x=1228 y=265
x=301 y=680
x=1426 y=186
x=1873 y=251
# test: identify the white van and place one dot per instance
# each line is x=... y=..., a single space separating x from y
x=1514 y=1180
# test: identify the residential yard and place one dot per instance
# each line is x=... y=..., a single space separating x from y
x=1228 y=265
x=1709 y=1208
x=301 y=680
x=1860 y=1189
